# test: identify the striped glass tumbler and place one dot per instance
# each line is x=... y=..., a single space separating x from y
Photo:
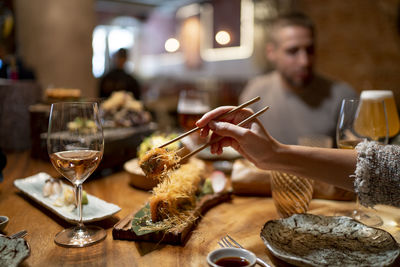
x=291 y=194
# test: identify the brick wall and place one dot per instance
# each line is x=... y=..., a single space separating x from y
x=358 y=41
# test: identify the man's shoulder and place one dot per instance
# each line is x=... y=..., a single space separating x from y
x=264 y=79
x=338 y=87
x=343 y=89
x=259 y=85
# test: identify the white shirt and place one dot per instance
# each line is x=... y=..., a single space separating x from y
x=313 y=112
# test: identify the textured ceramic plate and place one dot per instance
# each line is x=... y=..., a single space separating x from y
x=312 y=240
x=95 y=210
x=13 y=251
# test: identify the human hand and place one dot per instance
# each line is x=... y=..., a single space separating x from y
x=251 y=139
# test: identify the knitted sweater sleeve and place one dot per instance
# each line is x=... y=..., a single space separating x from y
x=377 y=175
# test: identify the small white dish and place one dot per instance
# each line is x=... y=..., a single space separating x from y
x=96 y=209
x=228 y=154
x=3 y=222
x=224 y=253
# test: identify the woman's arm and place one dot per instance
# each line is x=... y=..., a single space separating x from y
x=333 y=166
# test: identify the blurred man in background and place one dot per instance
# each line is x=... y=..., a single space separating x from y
x=118 y=79
x=302 y=102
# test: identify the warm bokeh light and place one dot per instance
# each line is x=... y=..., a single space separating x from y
x=171 y=45
x=222 y=37
x=211 y=53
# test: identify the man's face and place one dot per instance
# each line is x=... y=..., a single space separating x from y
x=293 y=55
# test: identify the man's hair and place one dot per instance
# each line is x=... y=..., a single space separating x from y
x=122 y=53
x=292 y=19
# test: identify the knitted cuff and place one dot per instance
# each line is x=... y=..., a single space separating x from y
x=377 y=175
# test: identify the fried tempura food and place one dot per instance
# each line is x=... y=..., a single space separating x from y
x=157 y=161
x=175 y=196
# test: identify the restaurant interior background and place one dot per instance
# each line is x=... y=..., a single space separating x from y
x=65 y=44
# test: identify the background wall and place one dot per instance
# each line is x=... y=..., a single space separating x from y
x=55 y=38
x=358 y=41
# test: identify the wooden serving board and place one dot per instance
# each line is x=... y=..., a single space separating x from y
x=123 y=229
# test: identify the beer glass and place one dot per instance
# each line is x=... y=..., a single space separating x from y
x=391 y=109
x=192 y=105
x=359 y=120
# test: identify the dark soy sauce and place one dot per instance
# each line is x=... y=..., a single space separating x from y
x=232 y=262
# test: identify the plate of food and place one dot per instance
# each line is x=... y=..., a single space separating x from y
x=316 y=240
x=60 y=199
x=183 y=194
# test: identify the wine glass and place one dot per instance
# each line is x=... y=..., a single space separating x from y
x=75 y=145
x=359 y=120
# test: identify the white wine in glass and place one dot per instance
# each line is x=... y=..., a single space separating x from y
x=75 y=144
x=360 y=120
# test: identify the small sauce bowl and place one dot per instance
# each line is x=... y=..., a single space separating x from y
x=236 y=255
x=3 y=222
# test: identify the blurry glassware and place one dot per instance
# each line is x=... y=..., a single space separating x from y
x=75 y=144
x=390 y=105
x=391 y=220
x=371 y=120
x=360 y=120
x=192 y=104
x=291 y=194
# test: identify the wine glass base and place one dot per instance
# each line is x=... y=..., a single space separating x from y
x=80 y=236
x=363 y=217
x=368 y=218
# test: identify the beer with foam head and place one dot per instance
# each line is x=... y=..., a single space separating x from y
x=391 y=109
x=376 y=109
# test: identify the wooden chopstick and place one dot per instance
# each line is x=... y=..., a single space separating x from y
x=218 y=139
x=251 y=101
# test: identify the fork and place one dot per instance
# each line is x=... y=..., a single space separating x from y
x=20 y=234
x=228 y=241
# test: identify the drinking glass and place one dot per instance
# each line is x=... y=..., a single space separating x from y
x=391 y=109
x=359 y=120
x=75 y=145
x=192 y=105
x=291 y=194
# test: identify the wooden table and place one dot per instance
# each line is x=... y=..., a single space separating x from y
x=242 y=218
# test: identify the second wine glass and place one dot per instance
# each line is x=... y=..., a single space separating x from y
x=360 y=120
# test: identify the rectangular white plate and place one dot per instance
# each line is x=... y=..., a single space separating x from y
x=96 y=209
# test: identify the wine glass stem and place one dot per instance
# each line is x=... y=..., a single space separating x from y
x=78 y=195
